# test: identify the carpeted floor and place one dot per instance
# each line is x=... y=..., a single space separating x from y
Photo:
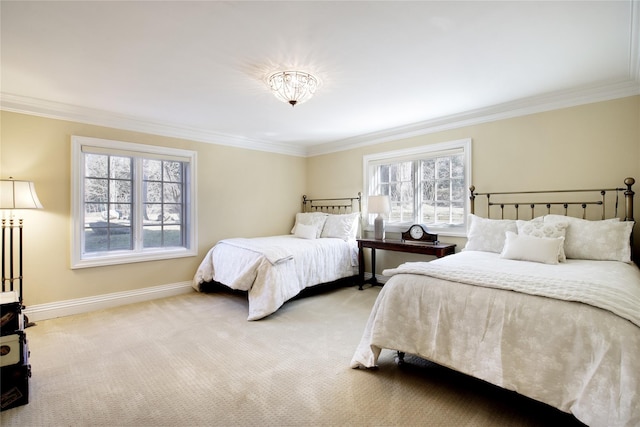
x=194 y=360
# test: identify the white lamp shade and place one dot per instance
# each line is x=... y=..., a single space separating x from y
x=18 y=195
x=379 y=204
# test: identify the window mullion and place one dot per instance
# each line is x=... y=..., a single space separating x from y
x=436 y=192
x=451 y=190
x=138 y=206
x=417 y=191
x=80 y=206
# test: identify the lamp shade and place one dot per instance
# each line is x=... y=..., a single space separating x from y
x=16 y=194
x=379 y=204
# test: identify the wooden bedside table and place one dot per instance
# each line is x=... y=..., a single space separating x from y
x=439 y=250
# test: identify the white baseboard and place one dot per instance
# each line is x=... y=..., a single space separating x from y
x=84 y=305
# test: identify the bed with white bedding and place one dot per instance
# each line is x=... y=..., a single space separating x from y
x=548 y=308
x=321 y=249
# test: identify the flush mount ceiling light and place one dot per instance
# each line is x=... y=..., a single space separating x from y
x=293 y=87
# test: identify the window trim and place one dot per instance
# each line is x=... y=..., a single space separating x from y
x=77 y=205
x=412 y=154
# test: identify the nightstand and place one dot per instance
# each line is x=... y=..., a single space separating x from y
x=438 y=250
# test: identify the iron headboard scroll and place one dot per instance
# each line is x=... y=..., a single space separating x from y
x=627 y=191
x=340 y=205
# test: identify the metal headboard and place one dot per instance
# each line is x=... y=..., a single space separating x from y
x=627 y=191
x=339 y=205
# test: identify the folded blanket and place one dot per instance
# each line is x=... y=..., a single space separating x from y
x=614 y=286
x=273 y=253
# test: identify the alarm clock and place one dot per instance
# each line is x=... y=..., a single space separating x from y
x=419 y=233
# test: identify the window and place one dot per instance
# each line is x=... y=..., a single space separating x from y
x=131 y=202
x=426 y=185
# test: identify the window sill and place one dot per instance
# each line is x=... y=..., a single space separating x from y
x=128 y=258
x=444 y=231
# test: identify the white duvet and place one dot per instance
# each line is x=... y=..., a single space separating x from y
x=575 y=347
x=275 y=269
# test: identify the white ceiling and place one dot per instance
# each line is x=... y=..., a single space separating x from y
x=196 y=69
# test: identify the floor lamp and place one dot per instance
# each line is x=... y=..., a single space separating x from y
x=14 y=195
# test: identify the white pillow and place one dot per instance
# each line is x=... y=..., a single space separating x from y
x=315 y=219
x=306 y=231
x=343 y=226
x=538 y=228
x=529 y=248
x=604 y=240
x=487 y=235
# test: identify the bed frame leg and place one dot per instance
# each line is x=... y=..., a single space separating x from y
x=400 y=358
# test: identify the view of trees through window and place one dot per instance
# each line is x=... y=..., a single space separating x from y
x=112 y=214
x=429 y=191
x=443 y=190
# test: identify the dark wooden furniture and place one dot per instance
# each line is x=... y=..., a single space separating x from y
x=439 y=250
x=15 y=369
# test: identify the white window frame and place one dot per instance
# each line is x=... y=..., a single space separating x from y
x=370 y=161
x=138 y=254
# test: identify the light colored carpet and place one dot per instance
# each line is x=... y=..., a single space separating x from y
x=194 y=360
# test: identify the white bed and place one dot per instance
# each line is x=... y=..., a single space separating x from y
x=563 y=329
x=321 y=249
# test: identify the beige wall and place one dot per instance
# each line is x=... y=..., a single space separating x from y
x=240 y=193
x=251 y=193
x=589 y=146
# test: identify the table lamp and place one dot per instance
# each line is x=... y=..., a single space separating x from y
x=381 y=206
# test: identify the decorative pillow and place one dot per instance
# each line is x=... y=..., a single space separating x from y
x=604 y=240
x=343 y=226
x=488 y=235
x=530 y=248
x=538 y=228
x=315 y=219
x=306 y=231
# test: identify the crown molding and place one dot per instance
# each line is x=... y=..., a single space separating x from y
x=552 y=101
x=548 y=102
x=634 y=42
x=603 y=91
x=60 y=111
x=562 y=99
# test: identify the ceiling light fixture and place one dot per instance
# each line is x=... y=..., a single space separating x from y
x=293 y=87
